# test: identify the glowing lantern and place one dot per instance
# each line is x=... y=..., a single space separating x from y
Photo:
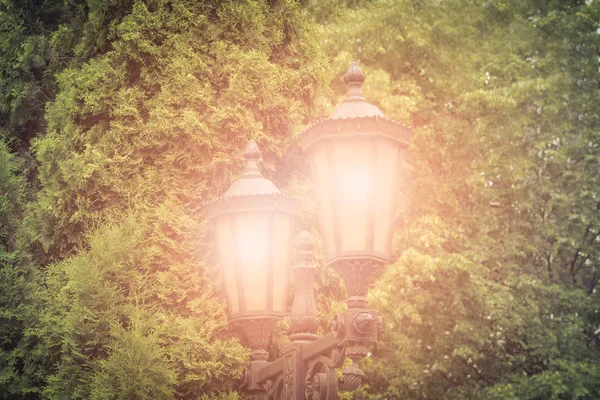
x=254 y=225
x=356 y=157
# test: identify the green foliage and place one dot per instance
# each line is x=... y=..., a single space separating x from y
x=170 y=104
x=152 y=103
x=125 y=323
x=12 y=192
x=29 y=58
x=15 y=287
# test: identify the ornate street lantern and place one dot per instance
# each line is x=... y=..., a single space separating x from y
x=254 y=224
x=356 y=157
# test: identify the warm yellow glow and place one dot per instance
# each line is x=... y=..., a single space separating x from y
x=252 y=241
x=354 y=183
x=254 y=251
x=228 y=262
x=252 y=247
x=354 y=191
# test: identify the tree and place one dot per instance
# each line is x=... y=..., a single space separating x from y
x=15 y=282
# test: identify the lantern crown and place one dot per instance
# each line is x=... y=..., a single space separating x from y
x=252 y=182
x=355 y=105
x=252 y=154
x=251 y=190
x=354 y=75
x=355 y=117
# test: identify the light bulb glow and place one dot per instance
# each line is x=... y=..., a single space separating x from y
x=252 y=247
x=354 y=183
x=252 y=244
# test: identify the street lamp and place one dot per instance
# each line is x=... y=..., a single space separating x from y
x=356 y=161
x=356 y=157
x=254 y=223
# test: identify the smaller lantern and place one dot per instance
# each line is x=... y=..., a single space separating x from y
x=254 y=224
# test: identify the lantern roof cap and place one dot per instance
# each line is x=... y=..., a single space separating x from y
x=252 y=152
x=252 y=191
x=252 y=182
x=355 y=117
x=355 y=105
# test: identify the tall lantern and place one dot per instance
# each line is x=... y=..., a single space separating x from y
x=254 y=224
x=356 y=159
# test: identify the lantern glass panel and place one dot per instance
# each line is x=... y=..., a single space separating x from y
x=356 y=186
x=282 y=239
x=252 y=242
x=228 y=262
x=387 y=172
x=353 y=191
x=322 y=178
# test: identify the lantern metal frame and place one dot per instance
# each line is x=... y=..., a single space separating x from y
x=307 y=368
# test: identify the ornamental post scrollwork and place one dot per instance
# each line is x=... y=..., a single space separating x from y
x=308 y=367
x=358 y=276
x=360 y=328
x=303 y=315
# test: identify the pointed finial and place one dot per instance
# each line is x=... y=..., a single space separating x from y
x=304 y=241
x=252 y=151
x=354 y=75
x=252 y=154
x=354 y=78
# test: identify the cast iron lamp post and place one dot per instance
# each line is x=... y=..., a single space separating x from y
x=356 y=161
